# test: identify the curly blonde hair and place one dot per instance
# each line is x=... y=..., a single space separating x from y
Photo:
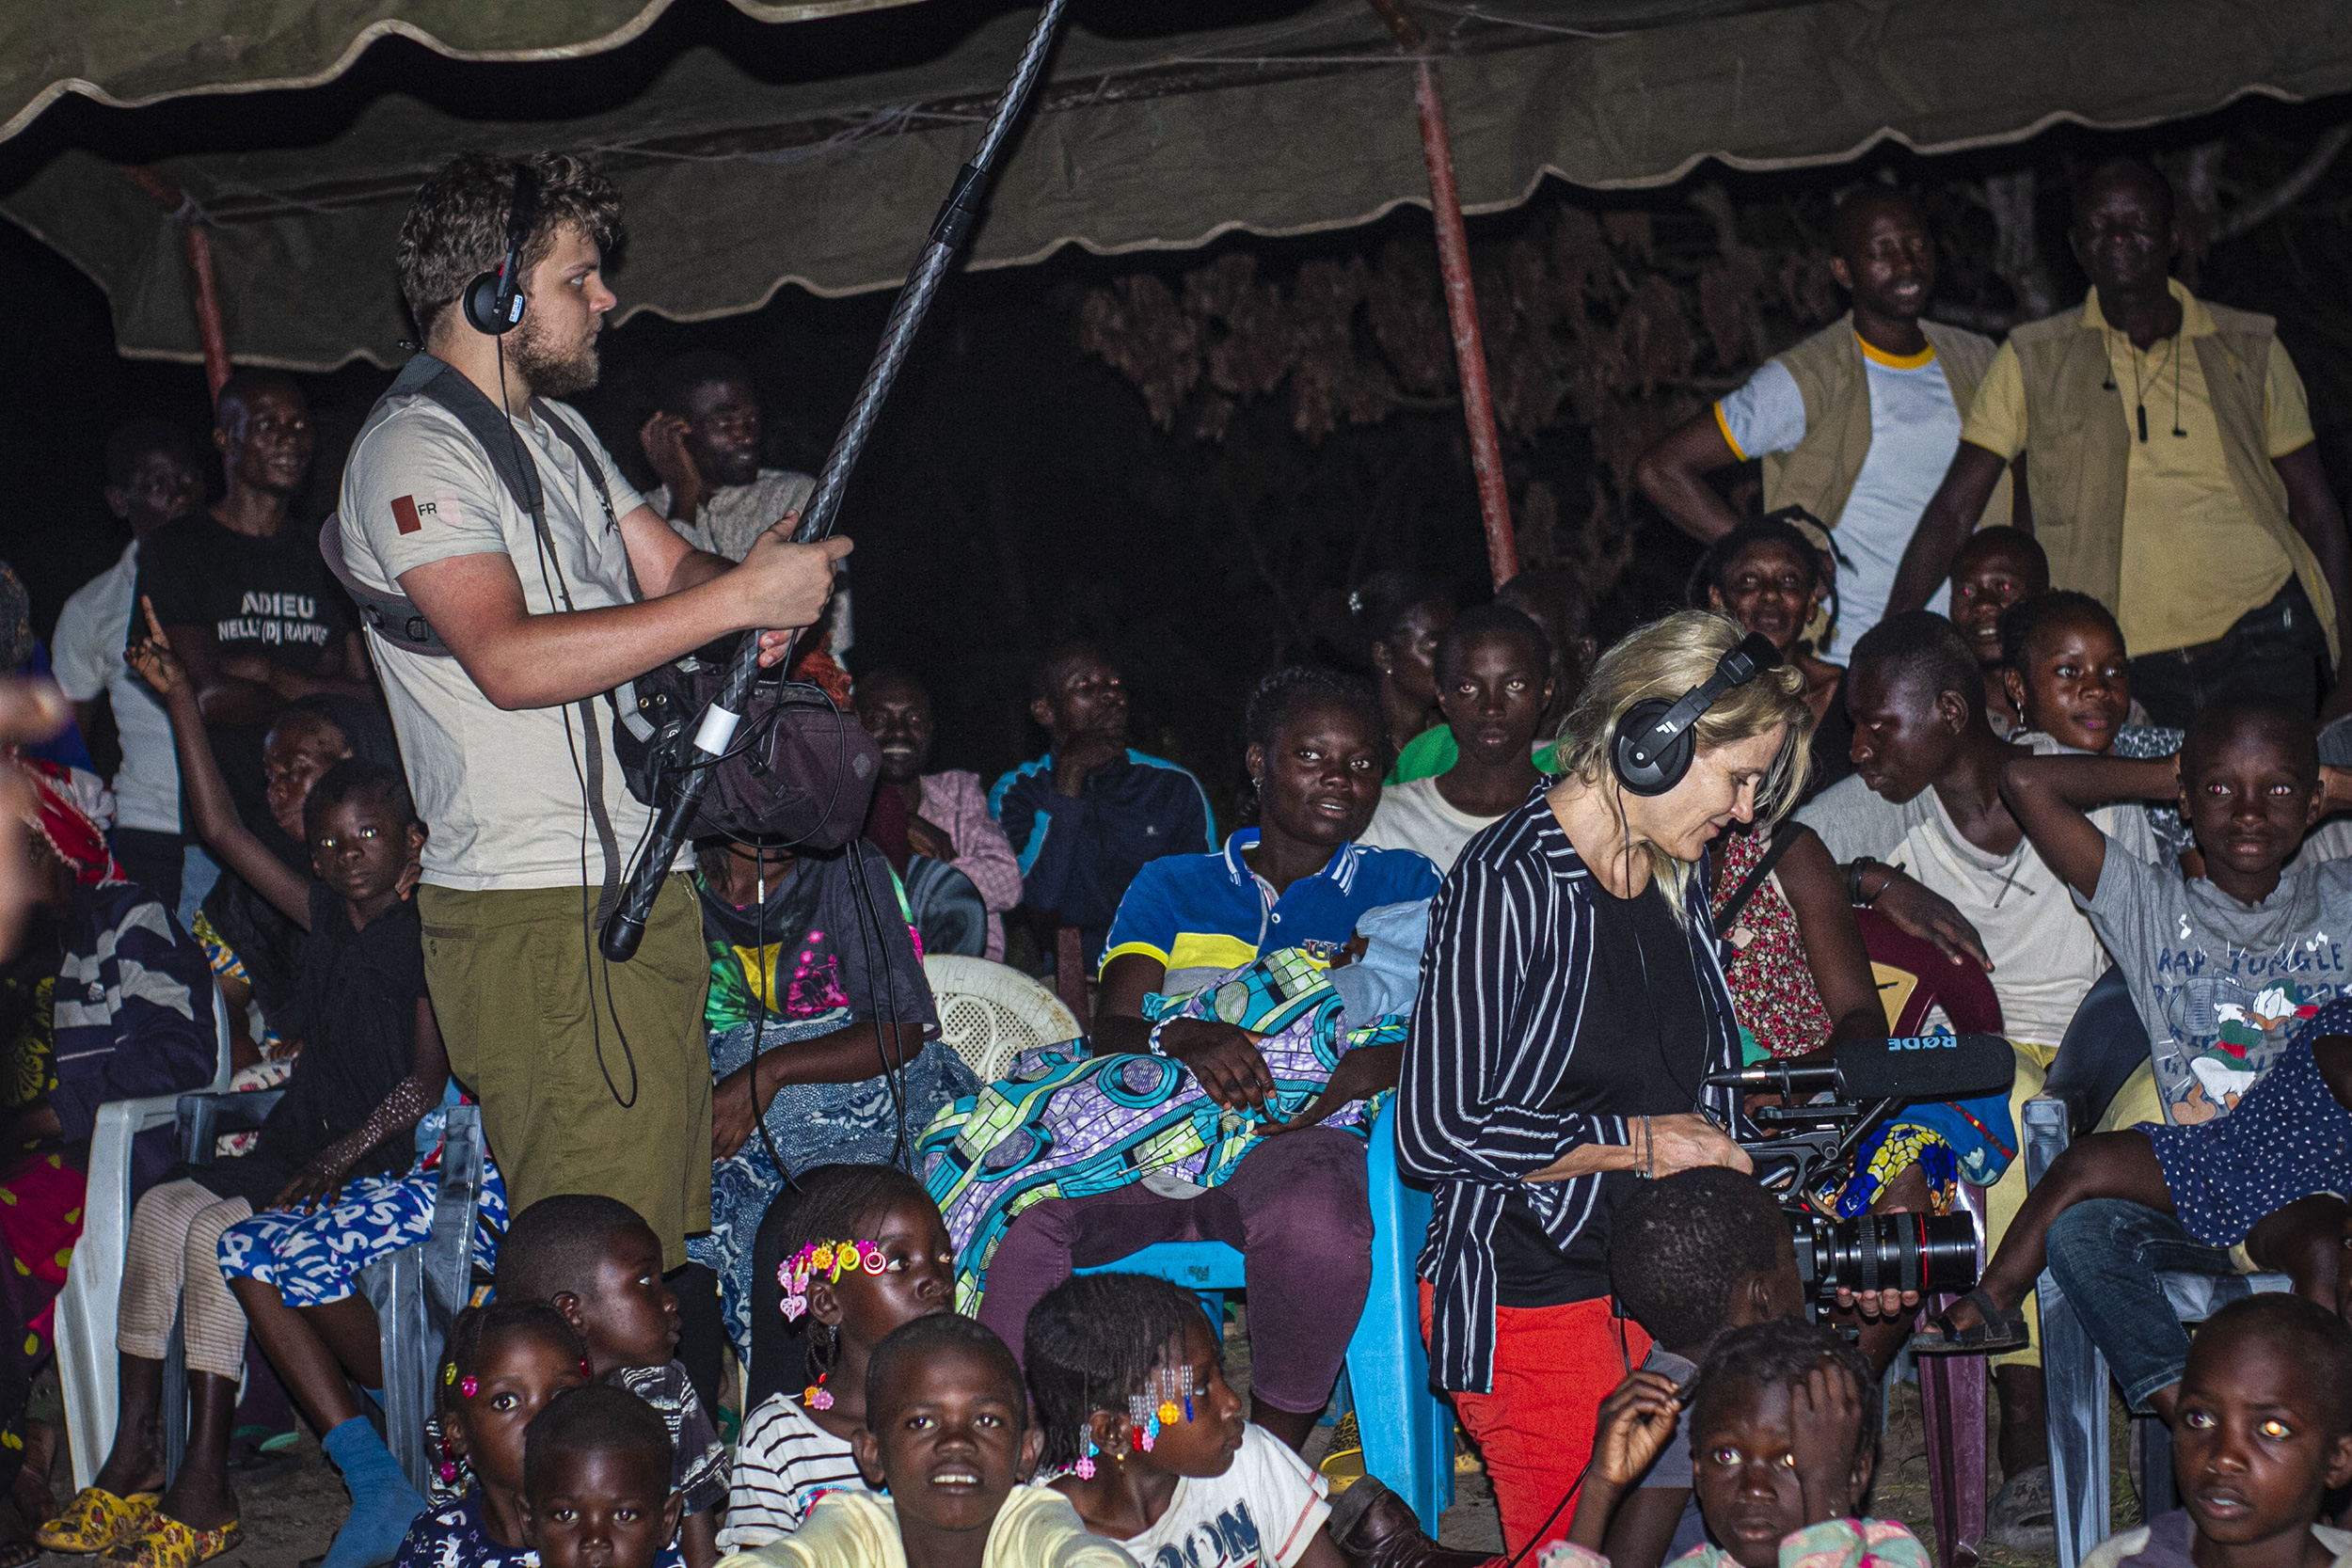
x=1664 y=660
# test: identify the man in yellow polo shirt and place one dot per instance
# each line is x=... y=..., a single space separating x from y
x=2171 y=460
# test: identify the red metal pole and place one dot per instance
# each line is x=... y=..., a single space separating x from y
x=197 y=246
x=1461 y=301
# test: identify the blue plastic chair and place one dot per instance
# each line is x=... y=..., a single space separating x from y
x=1407 y=1431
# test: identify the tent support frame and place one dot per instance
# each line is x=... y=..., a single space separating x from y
x=1461 y=300
x=203 y=287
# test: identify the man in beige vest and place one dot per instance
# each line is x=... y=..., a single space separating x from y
x=2169 y=449
x=1856 y=424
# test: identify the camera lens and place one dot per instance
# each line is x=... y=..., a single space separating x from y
x=1931 y=1254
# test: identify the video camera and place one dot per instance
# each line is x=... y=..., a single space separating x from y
x=1818 y=1133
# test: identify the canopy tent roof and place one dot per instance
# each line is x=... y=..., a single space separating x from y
x=752 y=156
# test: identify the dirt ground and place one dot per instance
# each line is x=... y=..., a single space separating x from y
x=293 y=1509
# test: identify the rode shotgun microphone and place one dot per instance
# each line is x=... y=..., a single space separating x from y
x=958 y=216
x=1918 y=1067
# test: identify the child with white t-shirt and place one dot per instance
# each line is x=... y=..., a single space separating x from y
x=1151 y=1444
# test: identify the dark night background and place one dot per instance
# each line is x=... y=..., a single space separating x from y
x=1017 y=492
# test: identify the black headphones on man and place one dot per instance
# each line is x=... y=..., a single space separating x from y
x=1655 y=740
x=494 y=301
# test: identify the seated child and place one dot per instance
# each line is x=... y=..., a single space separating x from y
x=1691 y=1257
x=2068 y=676
x=1494 y=686
x=822 y=1233
x=371 y=1065
x=945 y=1447
x=1147 y=1441
x=597 y=1483
x=2242 y=977
x=2261 y=1433
x=600 y=1265
x=504 y=1363
x=1783 y=1434
x=1997 y=568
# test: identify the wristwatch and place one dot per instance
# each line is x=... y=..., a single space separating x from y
x=1853 y=880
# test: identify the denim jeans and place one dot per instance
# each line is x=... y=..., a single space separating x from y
x=2106 y=1254
x=2277 y=647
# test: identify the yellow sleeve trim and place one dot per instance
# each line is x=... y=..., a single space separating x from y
x=1725 y=425
x=1141 y=949
x=1210 y=950
x=1896 y=361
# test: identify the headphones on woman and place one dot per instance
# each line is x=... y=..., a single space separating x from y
x=494 y=301
x=1655 y=740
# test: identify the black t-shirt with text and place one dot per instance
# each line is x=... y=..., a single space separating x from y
x=270 y=597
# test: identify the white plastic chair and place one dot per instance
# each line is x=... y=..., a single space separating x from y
x=93 y=1281
x=991 y=1012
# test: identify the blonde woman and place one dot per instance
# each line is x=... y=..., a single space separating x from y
x=1571 y=1008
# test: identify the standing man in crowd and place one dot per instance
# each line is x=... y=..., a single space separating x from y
x=1085 y=816
x=1856 y=424
x=154 y=477
x=593 y=1077
x=2169 y=454
x=242 y=597
x=704 y=442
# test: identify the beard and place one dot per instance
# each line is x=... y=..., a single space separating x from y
x=551 y=370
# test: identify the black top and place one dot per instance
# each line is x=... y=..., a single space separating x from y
x=1832 y=747
x=268 y=596
x=831 y=935
x=355 y=1009
x=1644 y=1001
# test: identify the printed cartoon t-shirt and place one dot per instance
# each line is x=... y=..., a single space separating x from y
x=2222 y=986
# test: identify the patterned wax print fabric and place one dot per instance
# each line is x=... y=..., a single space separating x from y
x=1066 y=1124
x=310 y=1260
x=810 y=1124
x=1769 y=976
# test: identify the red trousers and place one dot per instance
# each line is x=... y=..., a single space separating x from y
x=1554 y=1366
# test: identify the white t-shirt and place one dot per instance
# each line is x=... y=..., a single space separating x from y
x=1263 y=1511
x=1915 y=430
x=783 y=1463
x=92 y=631
x=499 y=791
x=1415 y=817
x=2045 y=952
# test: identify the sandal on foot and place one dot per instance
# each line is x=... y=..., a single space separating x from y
x=2002 y=1329
x=97 y=1519
x=169 y=1543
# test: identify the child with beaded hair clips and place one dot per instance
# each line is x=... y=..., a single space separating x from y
x=1150 y=1442
x=856 y=1253
x=1784 y=1437
x=503 y=1365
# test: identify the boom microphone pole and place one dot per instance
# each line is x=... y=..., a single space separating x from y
x=954 y=225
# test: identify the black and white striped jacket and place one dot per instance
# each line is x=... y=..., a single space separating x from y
x=1495 y=1034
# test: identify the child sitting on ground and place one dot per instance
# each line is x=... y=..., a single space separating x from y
x=600 y=1265
x=1783 y=1431
x=1149 y=1440
x=1997 y=568
x=2261 y=1433
x=946 y=1445
x=597 y=1483
x=505 y=1362
x=818 y=1244
x=1691 y=1257
x=1152 y=1446
x=2242 y=979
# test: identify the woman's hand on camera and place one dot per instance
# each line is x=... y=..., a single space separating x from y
x=1930 y=917
x=1824 y=1435
x=1224 y=1059
x=1685 y=1141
